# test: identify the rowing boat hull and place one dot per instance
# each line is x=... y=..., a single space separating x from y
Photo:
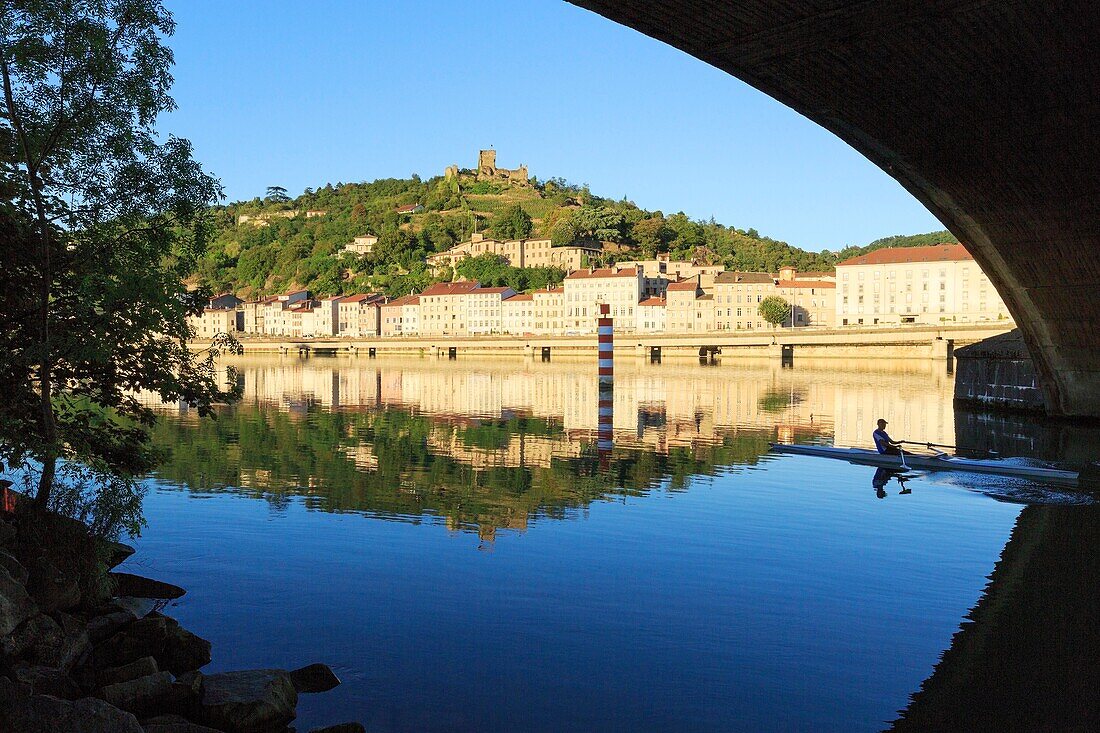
x=931 y=463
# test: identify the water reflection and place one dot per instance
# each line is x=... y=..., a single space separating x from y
x=492 y=444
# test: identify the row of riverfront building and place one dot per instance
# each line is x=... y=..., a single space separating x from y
x=894 y=286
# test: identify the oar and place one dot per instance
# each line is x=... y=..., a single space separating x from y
x=944 y=445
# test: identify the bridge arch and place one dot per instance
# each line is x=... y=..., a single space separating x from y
x=985 y=111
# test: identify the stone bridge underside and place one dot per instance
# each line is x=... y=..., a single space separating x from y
x=987 y=112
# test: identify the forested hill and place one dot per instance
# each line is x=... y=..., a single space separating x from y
x=269 y=245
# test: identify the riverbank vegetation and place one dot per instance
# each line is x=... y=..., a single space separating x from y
x=103 y=217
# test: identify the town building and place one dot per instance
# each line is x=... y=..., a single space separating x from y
x=360 y=315
x=518 y=314
x=400 y=316
x=549 y=309
x=651 y=316
x=363 y=245
x=213 y=322
x=443 y=308
x=737 y=298
x=326 y=317
x=673 y=270
x=484 y=310
x=688 y=309
x=813 y=302
x=915 y=285
x=621 y=288
x=517 y=253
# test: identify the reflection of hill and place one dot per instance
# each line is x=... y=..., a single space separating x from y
x=1029 y=658
x=390 y=462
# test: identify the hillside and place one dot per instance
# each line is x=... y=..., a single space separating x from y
x=276 y=243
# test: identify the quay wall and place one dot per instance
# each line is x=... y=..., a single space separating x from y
x=998 y=372
x=918 y=342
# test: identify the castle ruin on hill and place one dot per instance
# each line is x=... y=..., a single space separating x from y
x=487 y=170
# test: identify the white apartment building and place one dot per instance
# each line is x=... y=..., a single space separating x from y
x=484 y=310
x=400 y=316
x=927 y=285
x=620 y=288
x=443 y=308
x=651 y=316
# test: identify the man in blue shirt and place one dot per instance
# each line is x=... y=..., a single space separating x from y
x=885 y=444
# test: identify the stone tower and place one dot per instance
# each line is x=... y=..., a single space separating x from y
x=487 y=162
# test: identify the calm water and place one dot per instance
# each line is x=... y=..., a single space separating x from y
x=450 y=539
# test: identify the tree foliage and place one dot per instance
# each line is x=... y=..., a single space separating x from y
x=494 y=271
x=774 y=309
x=512 y=223
x=103 y=218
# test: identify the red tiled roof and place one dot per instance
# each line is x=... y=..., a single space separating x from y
x=602 y=272
x=689 y=284
x=403 y=300
x=899 y=255
x=653 y=302
x=407 y=208
x=458 y=288
x=519 y=298
x=807 y=284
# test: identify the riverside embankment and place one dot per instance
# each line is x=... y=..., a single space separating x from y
x=86 y=649
x=917 y=342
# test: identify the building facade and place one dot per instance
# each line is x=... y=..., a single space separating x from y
x=915 y=285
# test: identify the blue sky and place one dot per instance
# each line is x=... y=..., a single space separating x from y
x=302 y=94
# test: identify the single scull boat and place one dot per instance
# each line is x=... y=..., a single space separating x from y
x=938 y=462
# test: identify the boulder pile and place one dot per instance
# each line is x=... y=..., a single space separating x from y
x=89 y=651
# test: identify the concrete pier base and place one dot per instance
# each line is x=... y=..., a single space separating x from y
x=999 y=373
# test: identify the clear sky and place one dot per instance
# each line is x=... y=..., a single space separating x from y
x=301 y=94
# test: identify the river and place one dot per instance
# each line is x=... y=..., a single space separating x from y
x=452 y=538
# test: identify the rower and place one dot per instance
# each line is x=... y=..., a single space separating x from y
x=883 y=442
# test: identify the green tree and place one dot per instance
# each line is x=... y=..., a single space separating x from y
x=774 y=309
x=103 y=219
x=512 y=223
x=277 y=195
x=652 y=235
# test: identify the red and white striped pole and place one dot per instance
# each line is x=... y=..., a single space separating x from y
x=605 y=333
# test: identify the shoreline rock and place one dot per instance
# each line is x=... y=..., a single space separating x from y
x=81 y=650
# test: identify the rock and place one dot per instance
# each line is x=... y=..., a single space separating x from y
x=62 y=645
x=183 y=651
x=51 y=589
x=45 y=714
x=16 y=605
x=139 y=607
x=105 y=625
x=175 y=648
x=15 y=644
x=314 y=678
x=47 y=681
x=341 y=728
x=142 y=695
x=116 y=553
x=14 y=567
x=7 y=533
x=254 y=701
x=138 y=668
x=174 y=724
x=139 y=587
